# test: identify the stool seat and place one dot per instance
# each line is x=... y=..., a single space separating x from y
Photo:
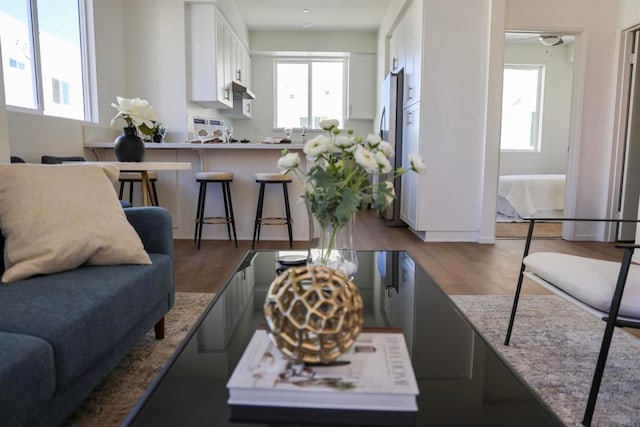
x=214 y=176
x=136 y=176
x=272 y=177
x=224 y=179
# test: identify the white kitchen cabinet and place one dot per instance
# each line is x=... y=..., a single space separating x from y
x=223 y=42
x=243 y=65
x=241 y=73
x=412 y=31
x=409 y=193
x=361 y=84
x=396 y=56
x=241 y=108
x=209 y=56
x=405 y=52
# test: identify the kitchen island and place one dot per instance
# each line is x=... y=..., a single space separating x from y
x=178 y=190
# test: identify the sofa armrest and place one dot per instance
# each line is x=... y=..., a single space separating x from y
x=153 y=225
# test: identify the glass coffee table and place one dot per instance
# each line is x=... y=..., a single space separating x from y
x=462 y=379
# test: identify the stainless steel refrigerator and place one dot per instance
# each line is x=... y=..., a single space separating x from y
x=391 y=130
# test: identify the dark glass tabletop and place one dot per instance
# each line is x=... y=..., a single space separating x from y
x=462 y=379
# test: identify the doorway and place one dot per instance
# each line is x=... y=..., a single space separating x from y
x=629 y=136
x=538 y=83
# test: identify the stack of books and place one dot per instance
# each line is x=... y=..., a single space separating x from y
x=373 y=384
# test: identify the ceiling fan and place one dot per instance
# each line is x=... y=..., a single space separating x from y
x=550 y=39
x=545 y=39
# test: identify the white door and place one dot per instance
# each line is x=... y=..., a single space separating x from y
x=630 y=188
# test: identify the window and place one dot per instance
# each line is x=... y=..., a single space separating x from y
x=521 y=102
x=43 y=56
x=309 y=89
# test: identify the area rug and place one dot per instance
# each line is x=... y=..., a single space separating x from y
x=110 y=403
x=554 y=346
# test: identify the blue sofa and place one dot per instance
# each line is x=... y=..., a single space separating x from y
x=62 y=334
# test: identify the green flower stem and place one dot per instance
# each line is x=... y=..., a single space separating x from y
x=332 y=241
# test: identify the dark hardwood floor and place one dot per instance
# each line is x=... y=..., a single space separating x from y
x=459 y=268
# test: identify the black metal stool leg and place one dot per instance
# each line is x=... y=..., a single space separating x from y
x=231 y=218
x=154 y=194
x=256 y=226
x=198 y=214
x=288 y=213
x=121 y=191
x=204 y=198
x=223 y=187
x=131 y=192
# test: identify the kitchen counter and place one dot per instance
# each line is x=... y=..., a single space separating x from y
x=178 y=190
x=218 y=146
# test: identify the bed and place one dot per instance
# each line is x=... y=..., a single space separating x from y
x=530 y=196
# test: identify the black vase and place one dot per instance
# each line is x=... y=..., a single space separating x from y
x=129 y=146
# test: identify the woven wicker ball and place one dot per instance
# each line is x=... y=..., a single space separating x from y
x=313 y=313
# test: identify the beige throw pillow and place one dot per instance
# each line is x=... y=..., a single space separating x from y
x=58 y=217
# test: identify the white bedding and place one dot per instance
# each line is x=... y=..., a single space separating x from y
x=531 y=195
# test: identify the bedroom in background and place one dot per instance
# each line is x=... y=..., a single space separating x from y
x=536 y=122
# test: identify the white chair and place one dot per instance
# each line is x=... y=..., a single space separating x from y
x=594 y=285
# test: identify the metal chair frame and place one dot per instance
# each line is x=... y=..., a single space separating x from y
x=611 y=318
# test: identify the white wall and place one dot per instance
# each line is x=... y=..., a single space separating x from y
x=628 y=13
x=312 y=41
x=556 y=118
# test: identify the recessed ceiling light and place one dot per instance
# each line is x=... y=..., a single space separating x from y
x=305 y=11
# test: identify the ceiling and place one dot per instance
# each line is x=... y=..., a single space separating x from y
x=322 y=15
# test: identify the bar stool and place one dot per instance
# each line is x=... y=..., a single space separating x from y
x=272 y=178
x=224 y=178
x=136 y=177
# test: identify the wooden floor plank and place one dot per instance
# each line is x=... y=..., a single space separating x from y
x=459 y=268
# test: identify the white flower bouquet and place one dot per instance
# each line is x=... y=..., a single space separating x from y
x=337 y=180
x=135 y=112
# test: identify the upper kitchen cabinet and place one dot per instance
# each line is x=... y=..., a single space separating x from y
x=362 y=90
x=241 y=81
x=405 y=52
x=219 y=64
x=413 y=53
x=396 y=50
x=209 y=52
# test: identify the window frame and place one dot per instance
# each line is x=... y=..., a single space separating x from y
x=34 y=30
x=309 y=61
x=535 y=146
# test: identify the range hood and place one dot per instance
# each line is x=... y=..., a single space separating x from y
x=241 y=91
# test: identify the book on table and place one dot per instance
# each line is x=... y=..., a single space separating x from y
x=375 y=374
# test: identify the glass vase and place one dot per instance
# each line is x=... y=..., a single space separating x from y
x=332 y=246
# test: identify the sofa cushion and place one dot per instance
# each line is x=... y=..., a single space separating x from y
x=27 y=377
x=83 y=313
x=591 y=281
x=57 y=217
